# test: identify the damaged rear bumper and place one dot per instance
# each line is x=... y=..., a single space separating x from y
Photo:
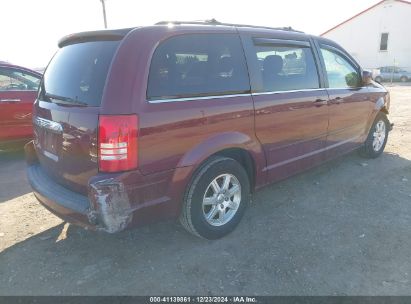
x=106 y=207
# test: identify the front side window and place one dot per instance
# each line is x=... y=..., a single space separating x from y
x=340 y=72
x=198 y=65
x=17 y=80
x=286 y=68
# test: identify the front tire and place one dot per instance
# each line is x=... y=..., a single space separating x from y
x=216 y=198
x=377 y=137
x=404 y=79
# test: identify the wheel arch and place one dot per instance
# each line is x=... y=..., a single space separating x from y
x=243 y=157
x=384 y=110
x=238 y=146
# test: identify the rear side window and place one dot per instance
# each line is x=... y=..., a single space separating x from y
x=198 y=65
x=285 y=68
x=79 y=71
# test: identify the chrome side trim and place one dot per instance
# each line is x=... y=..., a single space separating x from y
x=289 y=91
x=21 y=90
x=10 y=100
x=346 y=88
x=303 y=90
x=198 y=98
x=239 y=95
x=48 y=124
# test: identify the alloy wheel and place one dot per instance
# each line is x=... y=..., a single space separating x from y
x=221 y=199
x=379 y=135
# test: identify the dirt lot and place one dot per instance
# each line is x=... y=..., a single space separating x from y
x=341 y=229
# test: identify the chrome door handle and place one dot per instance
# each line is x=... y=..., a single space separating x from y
x=10 y=100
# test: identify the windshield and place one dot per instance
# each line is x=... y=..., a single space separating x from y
x=77 y=73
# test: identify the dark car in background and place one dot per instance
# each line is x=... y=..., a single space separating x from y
x=391 y=73
x=185 y=120
x=18 y=90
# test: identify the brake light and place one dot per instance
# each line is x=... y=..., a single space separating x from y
x=117 y=142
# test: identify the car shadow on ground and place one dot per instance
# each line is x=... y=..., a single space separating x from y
x=16 y=183
x=341 y=228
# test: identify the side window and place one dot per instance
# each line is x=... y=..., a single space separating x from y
x=198 y=65
x=286 y=68
x=15 y=80
x=340 y=72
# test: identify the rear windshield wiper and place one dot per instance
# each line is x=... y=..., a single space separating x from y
x=65 y=100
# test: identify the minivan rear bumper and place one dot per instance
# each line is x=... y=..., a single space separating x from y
x=66 y=204
x=94 y=212
x=114 y=201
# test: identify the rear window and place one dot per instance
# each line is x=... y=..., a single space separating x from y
x=79 y=71
x=198 y=65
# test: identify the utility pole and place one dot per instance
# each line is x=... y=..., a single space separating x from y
x=104 y=12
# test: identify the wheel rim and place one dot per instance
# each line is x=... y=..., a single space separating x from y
x=221 y=199
x=379 y=136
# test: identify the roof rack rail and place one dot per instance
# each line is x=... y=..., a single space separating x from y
x=215 y=22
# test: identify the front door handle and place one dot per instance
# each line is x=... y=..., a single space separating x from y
x=12 y=100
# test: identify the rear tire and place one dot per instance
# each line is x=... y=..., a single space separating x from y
x=404 y=79
x=216 y=198
x=377 y=137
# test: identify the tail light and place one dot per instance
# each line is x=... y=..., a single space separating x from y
x=117 y=143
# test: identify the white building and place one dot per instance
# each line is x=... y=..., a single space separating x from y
x=379 y=36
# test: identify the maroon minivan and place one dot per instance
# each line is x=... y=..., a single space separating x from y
x=186 y=119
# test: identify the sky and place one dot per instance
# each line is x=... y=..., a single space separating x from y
x=30 y=30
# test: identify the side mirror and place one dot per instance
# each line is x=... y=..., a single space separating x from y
x=366 y=77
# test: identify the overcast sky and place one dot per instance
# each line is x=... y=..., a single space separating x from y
x=29 y=30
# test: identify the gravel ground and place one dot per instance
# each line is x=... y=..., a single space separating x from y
x=340 y=229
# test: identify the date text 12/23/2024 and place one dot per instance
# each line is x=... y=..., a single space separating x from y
x=207 y=299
